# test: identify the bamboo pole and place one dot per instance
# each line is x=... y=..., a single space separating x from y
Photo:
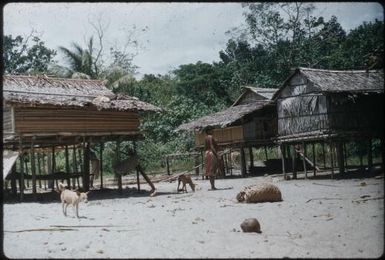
x=167 y=165
x=53 y=168
x=345 y=155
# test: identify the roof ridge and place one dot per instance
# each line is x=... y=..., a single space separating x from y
x=337 y=71
x=47 y=77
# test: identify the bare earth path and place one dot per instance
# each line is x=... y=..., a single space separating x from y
x=317 y=218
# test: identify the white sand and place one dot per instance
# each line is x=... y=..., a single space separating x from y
x=206 y=224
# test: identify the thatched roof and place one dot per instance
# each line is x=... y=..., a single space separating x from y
x=225 y=117
x=42 y=90
x=340 y=80
x=257 y=93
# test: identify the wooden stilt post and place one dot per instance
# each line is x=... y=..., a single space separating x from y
x=33 y=170
x=361 y=156
x=86 y=165
x=196 y=163
x=345 y=155
x=168 y=165
x=101 y=163
x=118 y=176
x=267 y=158
x=382 y=154
x=46 y=167
x=282 y=152
x=67 y=166
x=370 y=155
x=314 y=158
x=340 y=157
x=251 y=157
x=294 y=164
x=21 y=180
x=53 y=165
x=203 y=165
x=13 y=181
x=75 y=166
x=331 y=158
x=39 y=167
x=137 y=170
x=324 y=154
x=243 y=162
x=304 y=160
x=26 y=180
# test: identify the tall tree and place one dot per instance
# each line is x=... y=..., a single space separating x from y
x=20 y=56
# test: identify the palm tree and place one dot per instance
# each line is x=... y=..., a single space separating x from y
x=82 y=63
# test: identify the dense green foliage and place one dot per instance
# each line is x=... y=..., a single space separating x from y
x=275 y=38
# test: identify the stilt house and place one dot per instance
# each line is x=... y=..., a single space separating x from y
x=330 y=106
x=41 y=112
x=250 y=122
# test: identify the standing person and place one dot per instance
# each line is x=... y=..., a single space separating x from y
x=211 y=158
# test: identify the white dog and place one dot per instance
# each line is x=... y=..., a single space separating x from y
x=71 y=197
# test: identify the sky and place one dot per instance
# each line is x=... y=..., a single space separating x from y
x=170 y=34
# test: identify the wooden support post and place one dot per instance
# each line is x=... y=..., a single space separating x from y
x=167 y=165
x=137 y=171
x=140 y=169
x=332 y=158
x=304 y=160
x=370 y=155
x=324 y=153
x=243 y=162
x=196 y=164
x=39 y=167
x=21 y=180
x=340 y=157
x=251 y=157
x=80 y=159
x=46 y=168
x=13 y=181
x=53 y=169
x=67 y=166
x=75 y=166
x=345 y=155
x=282 y=152
x=294 y=164
x=314 y=158
x=101 y=164
x=86 y=165
x=26 y=172
x=118 y=176
x=267 y=158
x=33 y=170
x=382 y=154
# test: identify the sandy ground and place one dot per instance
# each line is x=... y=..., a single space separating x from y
x=317 y=218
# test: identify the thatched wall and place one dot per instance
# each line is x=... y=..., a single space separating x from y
x=329 y=102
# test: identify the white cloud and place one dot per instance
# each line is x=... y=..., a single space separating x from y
x=178 y=33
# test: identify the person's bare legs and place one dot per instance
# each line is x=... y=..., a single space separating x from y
x=212 y=182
